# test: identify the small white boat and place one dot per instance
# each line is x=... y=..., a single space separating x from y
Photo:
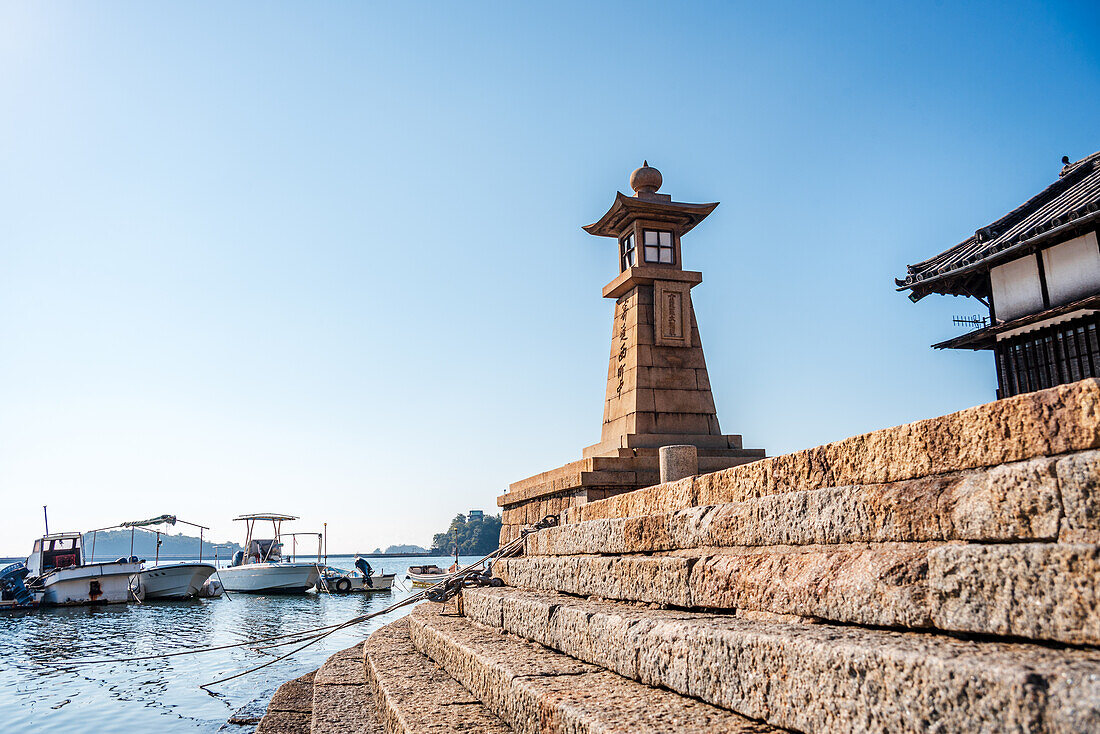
x=56 y=570
x=171 y=581
x=261 y=568
x=430 y=575
x=340 y=581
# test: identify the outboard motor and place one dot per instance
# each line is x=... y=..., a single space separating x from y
x=364 y=567
x=11 y=582
x=238 y=558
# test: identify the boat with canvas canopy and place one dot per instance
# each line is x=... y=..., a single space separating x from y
x=174 y=580
x=261 y=567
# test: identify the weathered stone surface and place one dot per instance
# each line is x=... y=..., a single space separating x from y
x=663 y=580
x=341 y=697
x=342 y=709
x=290 y=709
x=814 y=677
x=1045 y=423
x=295 y=695
x=537 y=690
x=678 y=462
x=1017 y=501
x=415 y=695
x=1034 y=590
x=284 y=722
x=878 y=585
x=344 y=668
x=1041 y=591
x=1079 y=480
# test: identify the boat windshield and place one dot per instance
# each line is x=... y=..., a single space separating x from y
x=59 y=552
x=260 y=551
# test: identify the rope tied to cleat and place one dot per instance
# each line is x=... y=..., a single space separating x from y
x=473 y=575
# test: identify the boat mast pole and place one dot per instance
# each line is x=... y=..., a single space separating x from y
x=200 y=544
x=46 y=518
x=155 y=562
x=326 y=543
x=131 y=542
x=94 y=533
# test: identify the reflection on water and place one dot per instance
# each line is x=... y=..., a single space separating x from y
x=38 y=690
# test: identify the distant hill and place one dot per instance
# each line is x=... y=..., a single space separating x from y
x=405 y=549
x=475 y=537
x=111 y=544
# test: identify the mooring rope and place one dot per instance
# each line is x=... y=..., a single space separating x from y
x=315 y=639
x=316 y=634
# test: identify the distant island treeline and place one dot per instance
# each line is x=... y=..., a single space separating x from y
x=399 y=550
x=475 y=536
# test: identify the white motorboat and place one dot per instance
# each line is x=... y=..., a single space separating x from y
x=181 y=580
x=261 y=567
x=171 y=581
x=56 y=570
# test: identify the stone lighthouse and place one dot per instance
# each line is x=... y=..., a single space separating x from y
x=658 y=390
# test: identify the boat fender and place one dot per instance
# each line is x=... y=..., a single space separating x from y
x=343 y=585
x=211 y=589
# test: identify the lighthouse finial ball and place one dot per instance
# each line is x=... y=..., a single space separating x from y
x=645 y=180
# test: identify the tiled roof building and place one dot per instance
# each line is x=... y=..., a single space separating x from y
x=1037 y=269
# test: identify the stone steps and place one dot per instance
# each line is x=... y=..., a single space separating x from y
x=1044 y=591
x=991 y=551
x=808 y=677
x=1048 y=498
x=1052 y=422
x=342 y=697
x=291 y=708
x=412 y=694
x=535 y=689
x=938 y=576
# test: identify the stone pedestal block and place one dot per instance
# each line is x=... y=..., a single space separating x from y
x=678 y=462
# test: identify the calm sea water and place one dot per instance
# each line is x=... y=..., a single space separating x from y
x=39 y=692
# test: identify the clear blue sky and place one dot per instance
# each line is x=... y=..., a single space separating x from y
x=326 y=258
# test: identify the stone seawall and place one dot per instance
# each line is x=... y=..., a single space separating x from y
x=938 y=576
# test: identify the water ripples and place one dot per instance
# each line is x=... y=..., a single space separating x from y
x=40 y=690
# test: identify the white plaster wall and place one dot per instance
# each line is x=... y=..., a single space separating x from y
x=1016 y=288
x=1072 y=269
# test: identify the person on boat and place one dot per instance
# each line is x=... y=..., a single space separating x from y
x=365 y=569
